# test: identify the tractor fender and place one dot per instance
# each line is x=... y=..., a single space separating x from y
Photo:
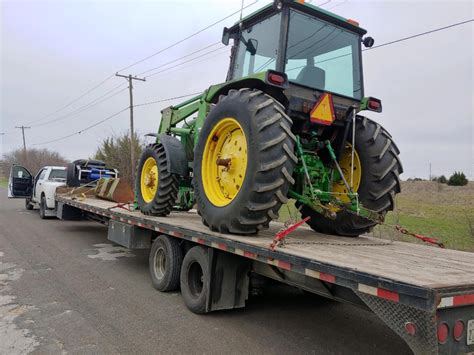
x=176 y=161
x=252 y=83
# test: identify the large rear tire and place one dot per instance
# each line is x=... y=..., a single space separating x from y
x=379 y=181
x=156 y=187
x=243 y=162
x=72 y=179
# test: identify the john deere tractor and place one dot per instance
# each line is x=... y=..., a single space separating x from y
x=284 y=125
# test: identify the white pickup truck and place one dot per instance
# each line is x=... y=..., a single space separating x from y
x=38 y=190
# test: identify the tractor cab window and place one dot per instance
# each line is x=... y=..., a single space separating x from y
x=258 y=47
x=323 y=56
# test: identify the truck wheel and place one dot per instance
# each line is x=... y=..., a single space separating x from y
x=243 y=162
x=28 y=204
x=43 y=207
x=195 y=275
x=156 y=187
x=165 y=262
x=71 y=175
x=376 y=179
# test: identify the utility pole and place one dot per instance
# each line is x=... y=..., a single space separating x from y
x=430 y=172
x=23 y=133
x=132 y=134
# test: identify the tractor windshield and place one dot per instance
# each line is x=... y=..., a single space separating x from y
x=258 y=47
x=323 y=56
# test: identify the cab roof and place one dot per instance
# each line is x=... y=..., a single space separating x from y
x=304 y=7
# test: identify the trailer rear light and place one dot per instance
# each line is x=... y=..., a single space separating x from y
x=458 y=330
x=443 y=332
x=410 y=328
x=276 y=79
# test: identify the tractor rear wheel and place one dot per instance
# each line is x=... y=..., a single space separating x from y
x=156 y=187
x=376 y=179
x=243 y=162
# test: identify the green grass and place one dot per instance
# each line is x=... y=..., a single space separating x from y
x=427 y=208
x=3 y=182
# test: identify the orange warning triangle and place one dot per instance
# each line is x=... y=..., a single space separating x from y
x=323 y=110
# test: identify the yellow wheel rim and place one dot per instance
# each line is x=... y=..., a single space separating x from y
x=149 y=179
x=224 y=162
x=345 y=163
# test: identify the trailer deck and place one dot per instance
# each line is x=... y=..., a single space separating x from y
x=396 y=269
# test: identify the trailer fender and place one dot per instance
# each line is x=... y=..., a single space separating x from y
x=176 y=162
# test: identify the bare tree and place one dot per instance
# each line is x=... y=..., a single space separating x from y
x=33 y=160
x=115 y=151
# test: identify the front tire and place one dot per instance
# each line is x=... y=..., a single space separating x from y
x=243 y=162
x=379 y=181
x=156 y=187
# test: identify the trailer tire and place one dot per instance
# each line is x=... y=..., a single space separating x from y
x=71 y=176
x=195 y=275
x=164 y=263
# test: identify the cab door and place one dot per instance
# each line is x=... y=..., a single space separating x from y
x=20 y=183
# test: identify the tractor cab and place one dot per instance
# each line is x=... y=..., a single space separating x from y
x=315 y=49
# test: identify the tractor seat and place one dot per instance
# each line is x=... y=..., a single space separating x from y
x=312 y=76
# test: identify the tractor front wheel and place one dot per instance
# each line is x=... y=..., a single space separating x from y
x=243 y=162
x=156 y=187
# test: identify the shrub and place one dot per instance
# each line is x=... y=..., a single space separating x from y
x=457 y=179
x=442 y=179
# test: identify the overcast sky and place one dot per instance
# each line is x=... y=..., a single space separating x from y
x=54 y=51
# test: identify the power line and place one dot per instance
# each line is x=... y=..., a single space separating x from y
x=186 y=38
x=112 y=116
x=187 y=61
x=138 y=62
x=175 y=60
x=85 y=107
x=169 y=99
x=75 y=100
x=420 y=34
x=86 y=128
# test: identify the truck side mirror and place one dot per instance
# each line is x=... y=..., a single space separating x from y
x=225 y=36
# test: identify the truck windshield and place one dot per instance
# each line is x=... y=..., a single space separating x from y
x=57 y=174
x=323 y=56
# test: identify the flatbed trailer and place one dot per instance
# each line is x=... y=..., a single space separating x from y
x=423 y=293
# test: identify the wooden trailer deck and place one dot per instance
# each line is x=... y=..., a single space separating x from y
x=362 y=263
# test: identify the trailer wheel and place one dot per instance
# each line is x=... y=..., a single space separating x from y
x=195 y=274
x=164 y=263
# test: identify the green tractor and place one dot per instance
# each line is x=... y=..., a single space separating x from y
x=283 y=125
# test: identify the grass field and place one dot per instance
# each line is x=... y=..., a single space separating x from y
x=3 y=182
x=431 y=209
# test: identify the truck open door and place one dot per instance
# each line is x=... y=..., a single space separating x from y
x=20 y=183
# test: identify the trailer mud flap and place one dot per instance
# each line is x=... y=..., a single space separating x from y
x=402 y=319
x=229 y=281
x=68 y=213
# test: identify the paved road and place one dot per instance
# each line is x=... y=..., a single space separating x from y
x=65 y=288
